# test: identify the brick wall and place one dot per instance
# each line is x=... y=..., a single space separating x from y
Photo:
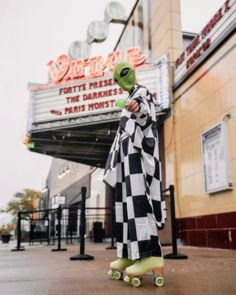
x=215 y=230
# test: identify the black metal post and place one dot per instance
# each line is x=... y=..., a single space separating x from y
x=82 y=256
x=112 y=229
x=48 y=233
x=174 y=254
x=59 y=216
x=18 y=247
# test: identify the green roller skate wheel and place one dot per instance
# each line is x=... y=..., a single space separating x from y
x=117 y=275
x=159 y=281
x=136 y=282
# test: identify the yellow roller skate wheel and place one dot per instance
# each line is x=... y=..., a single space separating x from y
x=117 y=275
x=136 y=282
x=159 y=281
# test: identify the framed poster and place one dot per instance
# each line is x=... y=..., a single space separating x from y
x=216 y=159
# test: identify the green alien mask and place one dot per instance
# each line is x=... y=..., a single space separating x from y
x=124 y=76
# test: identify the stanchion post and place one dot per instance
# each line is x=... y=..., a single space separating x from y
x=18 y=247
x=82 y=256
x=173 y=219
x=174 y=254
x=82 y=220
x=59 y=216
x=48 y=233
x=112 y=229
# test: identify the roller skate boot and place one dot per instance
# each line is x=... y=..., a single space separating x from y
x=118 y=266
x=133 y=273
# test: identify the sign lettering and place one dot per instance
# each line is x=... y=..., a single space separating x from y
x=199 y=43
x=64 y=69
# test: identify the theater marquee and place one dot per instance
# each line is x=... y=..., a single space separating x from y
x=82 y=89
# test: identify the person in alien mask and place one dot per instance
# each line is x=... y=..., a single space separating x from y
x=133 y=168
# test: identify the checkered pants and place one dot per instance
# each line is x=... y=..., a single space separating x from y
x=133 y=168
x=136 y=224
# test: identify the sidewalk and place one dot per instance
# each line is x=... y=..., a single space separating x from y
x=39 y=271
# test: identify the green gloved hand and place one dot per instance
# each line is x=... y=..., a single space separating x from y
x=121 y=103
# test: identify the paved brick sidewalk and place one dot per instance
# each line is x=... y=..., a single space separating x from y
x=39 y=271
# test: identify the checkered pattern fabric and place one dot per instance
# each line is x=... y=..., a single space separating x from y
x=133 y=168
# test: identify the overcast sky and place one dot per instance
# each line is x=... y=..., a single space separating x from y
x=32 y=33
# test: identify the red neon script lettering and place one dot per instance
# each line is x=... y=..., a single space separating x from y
x=59 y=68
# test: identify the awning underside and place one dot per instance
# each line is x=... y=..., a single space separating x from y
x=86 y=144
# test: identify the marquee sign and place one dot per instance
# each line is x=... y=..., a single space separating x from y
x=78 y=92
x=205 y=40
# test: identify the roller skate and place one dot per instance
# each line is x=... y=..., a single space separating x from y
x=118 y=266
x=142 y=266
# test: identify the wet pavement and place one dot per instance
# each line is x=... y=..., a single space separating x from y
x=39 y=271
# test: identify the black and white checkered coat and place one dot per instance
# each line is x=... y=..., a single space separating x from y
x=133 y=168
